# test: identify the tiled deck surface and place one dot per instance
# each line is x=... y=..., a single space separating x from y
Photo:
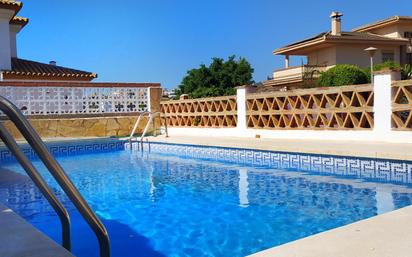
x=343 y=148
x=386 y=235
x=20 y=239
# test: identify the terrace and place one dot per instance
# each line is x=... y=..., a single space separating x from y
x=296 y=74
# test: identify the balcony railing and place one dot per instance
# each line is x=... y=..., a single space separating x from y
x=77 y=99
x=298 y=73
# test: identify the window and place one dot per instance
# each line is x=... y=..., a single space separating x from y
x=408 y=34
x=388 y=56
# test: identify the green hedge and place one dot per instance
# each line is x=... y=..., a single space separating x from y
x=381 y=66
x=342 y=74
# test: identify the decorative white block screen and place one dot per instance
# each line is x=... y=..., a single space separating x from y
x=77 y=100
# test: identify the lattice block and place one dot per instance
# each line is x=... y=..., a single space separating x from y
x=349 y=107
x=203 y=112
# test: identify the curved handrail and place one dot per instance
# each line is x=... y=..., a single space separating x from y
x=151 y=116
x=137 y=123
x=38 y=180
x=160 y=115
x=58 y=173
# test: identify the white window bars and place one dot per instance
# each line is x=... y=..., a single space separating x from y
x=77 y=100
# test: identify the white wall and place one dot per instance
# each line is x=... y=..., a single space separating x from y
x=389 y=31
x=325 y=56
x=5 y=49
x=356 y=55
x=14 y=29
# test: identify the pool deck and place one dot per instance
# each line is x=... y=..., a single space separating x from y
x=20 y=239
x=386 y=235
x=384 y=150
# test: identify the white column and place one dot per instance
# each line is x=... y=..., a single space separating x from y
x=243 y=188
x=5 y=49
x=382 y=106
x=241 y=95
x=286 y=61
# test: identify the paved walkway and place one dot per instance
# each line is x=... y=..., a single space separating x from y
x=349 y=148
x=386 y=235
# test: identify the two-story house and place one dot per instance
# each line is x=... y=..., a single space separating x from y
x=392 y=37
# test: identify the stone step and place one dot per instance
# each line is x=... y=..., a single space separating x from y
x=20 y=239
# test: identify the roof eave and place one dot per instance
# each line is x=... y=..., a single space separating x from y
x=15 y=6
x=369 y=41
x=381 y=23
x=20 y=21
x=284 y=50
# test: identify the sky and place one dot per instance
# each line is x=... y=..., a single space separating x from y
x=159 y=40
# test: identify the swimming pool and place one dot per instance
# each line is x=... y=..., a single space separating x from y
x=205 y=201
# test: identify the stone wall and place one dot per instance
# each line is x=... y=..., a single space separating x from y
x=82 y=127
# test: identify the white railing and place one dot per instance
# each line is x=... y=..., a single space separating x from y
x=77 y=100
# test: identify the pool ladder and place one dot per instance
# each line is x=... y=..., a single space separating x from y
x=151 y=116
x=34 y=140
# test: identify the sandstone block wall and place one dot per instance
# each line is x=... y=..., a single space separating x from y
x=82 y=127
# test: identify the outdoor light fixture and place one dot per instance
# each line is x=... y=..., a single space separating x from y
x=371 y=51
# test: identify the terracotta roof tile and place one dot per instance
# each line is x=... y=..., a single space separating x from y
x=31 y=68
x=12 y=5
x=16 y=20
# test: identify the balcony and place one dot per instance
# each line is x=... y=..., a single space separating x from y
x=297 y=74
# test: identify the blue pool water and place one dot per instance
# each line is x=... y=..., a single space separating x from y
x=170 y=205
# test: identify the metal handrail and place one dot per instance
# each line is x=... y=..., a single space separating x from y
x=38 y=180
x=151 y=117
x=58 y=173
x=136 y=124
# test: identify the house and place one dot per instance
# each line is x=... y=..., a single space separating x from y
x=392 y=37
x=14 y=68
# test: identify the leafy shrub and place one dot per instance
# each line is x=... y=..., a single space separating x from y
x=406 y=72
x=342 y=74
x=391 y=65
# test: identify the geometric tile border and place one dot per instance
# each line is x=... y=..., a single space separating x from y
x=377 y=169
x=69 y=147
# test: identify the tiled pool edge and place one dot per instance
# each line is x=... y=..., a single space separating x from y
x=69 y=147
x=380 y=169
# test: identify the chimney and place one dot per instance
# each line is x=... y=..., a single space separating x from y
x=5 y=49
x=14 y=29
x=53 y=63
x=336 y=23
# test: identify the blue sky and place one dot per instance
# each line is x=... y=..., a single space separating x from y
x=159 y=40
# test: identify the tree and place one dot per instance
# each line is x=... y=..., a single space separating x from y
x=218 y=79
